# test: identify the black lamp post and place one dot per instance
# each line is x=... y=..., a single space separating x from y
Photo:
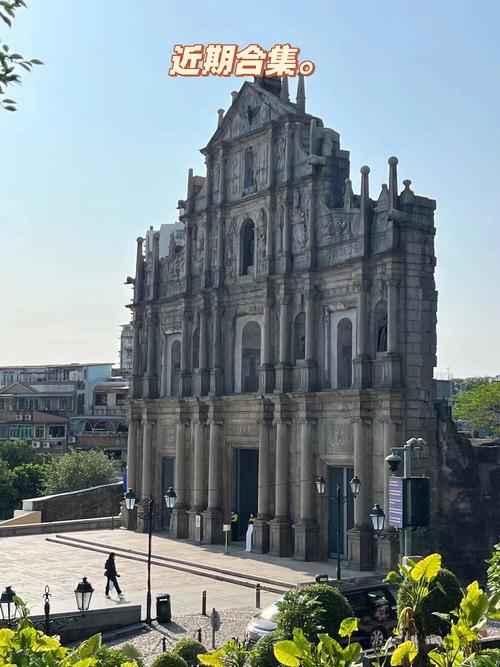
x=340 y=499
x=170 y=498
x=8 y=605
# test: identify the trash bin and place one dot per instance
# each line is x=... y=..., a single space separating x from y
x=163 y=608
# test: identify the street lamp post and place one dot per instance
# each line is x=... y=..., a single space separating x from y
x=130 y=498
x=340 y=499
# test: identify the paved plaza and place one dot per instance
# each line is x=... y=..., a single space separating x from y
x=29 y=563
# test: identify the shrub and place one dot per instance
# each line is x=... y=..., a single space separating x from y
x=188 y=648
x=315 y=608
x=436 y=600
x=109 y=657
x=494 y=570
x=263 y=654
x=79 y=470
x=168 y=659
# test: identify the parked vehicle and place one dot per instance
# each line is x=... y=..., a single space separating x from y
x=372 y=602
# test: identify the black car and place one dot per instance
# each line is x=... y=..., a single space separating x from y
x=372 y=602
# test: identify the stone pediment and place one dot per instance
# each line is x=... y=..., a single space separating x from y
x=17 y=388
x=252 y=108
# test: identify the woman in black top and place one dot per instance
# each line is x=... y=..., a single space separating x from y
x=111 y=575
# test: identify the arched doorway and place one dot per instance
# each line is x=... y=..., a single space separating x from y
x=250 y=357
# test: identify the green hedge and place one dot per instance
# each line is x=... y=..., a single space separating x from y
x=188 y=649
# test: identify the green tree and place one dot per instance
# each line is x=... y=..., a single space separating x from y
x=6 y=490
x=17 y=452
x=79 y=470
x=28 y=481
x=480 y=405
x=10 y=63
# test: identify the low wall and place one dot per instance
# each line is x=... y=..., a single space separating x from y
x=20 y=517
x=99 y=523
x=94 y=621
x=97 y=501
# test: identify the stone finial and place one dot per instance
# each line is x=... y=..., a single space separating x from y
x=284 y=93
x=393 y=182
x=220 y=113
x=407 y=196
x=301 y=95
x=348 y=194
x=140 y=240
x=365 y=189
x=234 y=95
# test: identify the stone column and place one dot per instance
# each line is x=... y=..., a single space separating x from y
x=392 y=316
x=150 y=381
x=139 y=271
x=360 y=537
x=199 y=477
x=212 y=518
x=261 y=525
x=188 y=250
x=308 y=367
x=219 y=275
x=164 y=388
x=185 y=375
x=306 y=529
x=129 y=518
x=202 y=374
x=283 y=369
x=328 y=381
x=180 y=528
x=281 y=544
x=217 y=374
x=206 y=256
x=361 y=362
x=389 y=443
x=136 y=389
x=147 y=476
x=266 y=372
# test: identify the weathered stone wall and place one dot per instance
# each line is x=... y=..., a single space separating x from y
x=83 y=504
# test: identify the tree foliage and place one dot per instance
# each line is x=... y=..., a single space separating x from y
x=79 y=470
x=17 y=452
x=480 y=405
x=11 y=62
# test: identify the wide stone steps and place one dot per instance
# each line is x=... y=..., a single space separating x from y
x=208 y=571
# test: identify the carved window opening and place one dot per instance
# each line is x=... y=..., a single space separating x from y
x=248 y=182
x=380 y=332
x=344 y=353
x=299 y=336
x=196 y=350
x=175 y=366
x=247 y=247
x=250 y=357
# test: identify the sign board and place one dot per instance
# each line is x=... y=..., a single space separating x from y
x=198 y=521
x=396 y=502
x=215 y=620
x=226 y=528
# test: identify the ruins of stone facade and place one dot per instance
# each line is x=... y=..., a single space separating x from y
x=289 y=332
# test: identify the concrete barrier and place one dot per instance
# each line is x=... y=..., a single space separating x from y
x=98 y=523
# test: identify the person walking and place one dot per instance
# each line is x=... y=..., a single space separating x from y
x=234 y=526
x=111 y=576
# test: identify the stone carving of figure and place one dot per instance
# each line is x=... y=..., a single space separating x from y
x=296 y=199
x=249 y=169
x=382 y=333
x=280 y=160
x=235 y=176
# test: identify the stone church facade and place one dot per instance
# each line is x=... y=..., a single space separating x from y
x=289 y=331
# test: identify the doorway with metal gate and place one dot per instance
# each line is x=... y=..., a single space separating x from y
x=342 y=476
x=247 y=475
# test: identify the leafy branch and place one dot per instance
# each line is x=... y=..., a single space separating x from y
x=10 y=63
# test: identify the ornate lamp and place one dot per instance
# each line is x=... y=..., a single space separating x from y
x=8 y=605
x=130 y=499
x=170 y=498
x=83 y=595
x=377 y=516
x=321 y=485
x=355 y=485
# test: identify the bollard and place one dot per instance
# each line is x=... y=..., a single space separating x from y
x=164 y=644
x=204 y=603
x=199 y=635
x=257 y=596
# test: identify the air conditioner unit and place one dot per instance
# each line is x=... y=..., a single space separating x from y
x=72 y=439
x=19 y=418
x=46 y=445
x=27 y=418
x=36 y=443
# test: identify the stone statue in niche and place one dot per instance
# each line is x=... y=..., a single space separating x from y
x=262 y=231
x=264 y=165
x=280 y=159
x=249 y=179
x=382 y=332
x=235 y=176
x=298 y=222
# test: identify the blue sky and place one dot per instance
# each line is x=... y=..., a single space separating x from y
x=100 y=147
